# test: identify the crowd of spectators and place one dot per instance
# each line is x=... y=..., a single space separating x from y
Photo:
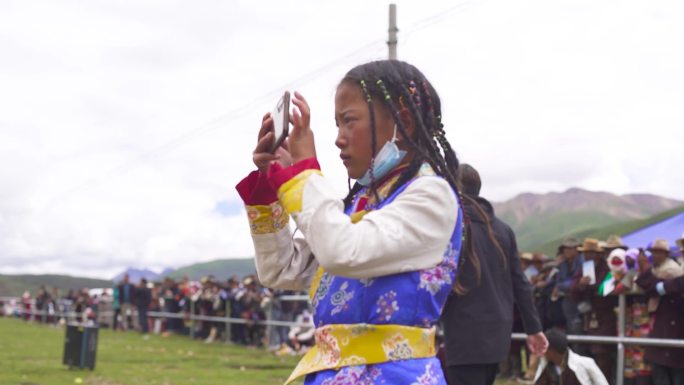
x=577 y=291
x=126 y=306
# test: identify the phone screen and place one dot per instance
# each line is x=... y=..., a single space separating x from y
x=281 y=120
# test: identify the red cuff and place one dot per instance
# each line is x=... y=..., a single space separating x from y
x=278 y=175
x=255 y=190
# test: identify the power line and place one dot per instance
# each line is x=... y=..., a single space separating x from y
x=434 y=19
x=213 y=124
x=247 y=108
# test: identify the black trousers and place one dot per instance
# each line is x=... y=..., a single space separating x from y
x=474 y=374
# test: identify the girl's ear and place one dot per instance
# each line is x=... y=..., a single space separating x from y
x=408 y=122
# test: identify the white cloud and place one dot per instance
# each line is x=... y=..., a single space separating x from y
x=537 y=95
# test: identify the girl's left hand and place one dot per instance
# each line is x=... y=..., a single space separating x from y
x=301 y=139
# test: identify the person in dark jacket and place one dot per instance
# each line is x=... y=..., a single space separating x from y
x=673 y=286
x=668 y=363
x=570 y=263
x=126 y=302
x=143 y=298
x=478 y=317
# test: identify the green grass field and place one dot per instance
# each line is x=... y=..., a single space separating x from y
x=31 y=354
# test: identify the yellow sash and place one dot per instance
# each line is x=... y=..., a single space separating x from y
x=338 y=346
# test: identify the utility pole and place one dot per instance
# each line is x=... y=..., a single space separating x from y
x=392 y=41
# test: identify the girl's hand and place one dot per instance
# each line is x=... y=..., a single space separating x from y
x=301 y=139
x=262 y=156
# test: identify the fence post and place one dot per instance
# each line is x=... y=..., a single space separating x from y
x=620 y=367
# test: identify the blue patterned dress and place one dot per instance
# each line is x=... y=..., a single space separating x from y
x=414 y=298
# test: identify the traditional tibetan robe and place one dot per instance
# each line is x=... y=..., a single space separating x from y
x=378 y=272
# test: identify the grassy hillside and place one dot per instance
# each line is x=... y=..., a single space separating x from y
x=549 y=248
x=222 y=269
x=539 y=218
x=15 y=285
x=553 y=225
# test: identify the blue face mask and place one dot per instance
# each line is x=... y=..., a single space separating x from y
x=386 y=160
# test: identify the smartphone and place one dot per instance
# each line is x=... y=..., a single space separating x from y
x=281 y=120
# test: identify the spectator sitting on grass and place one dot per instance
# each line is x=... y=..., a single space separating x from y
x=300 y=336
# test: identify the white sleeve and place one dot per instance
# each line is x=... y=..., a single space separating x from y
x=597 y=377
x=283 y=262
x=410 y=233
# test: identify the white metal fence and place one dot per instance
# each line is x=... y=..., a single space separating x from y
x=620 y=340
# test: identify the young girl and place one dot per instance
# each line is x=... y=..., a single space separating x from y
x=379 y=264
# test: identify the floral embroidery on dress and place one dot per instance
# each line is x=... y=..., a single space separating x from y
x=276 y=213
x=387 y=305
x=323 y=288
x=354 y=375
x=328 y=348
x=397 y=347
x=357 y=330
x=439 y=276
x=353 y=360
x=266 y=219
x=451 y=252
x=430 y=377
x=340 y=299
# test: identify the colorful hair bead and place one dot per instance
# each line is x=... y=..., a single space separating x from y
x=381 y=84
x=369 y=99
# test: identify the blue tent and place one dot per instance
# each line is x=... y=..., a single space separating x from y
x=670 y=229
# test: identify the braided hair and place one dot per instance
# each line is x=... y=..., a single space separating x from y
x=399 y=86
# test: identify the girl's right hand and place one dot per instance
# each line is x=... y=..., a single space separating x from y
x=262 y=156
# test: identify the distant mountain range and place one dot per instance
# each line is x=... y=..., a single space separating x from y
x=538 y=219
x=549 y=248
x=16 y=285
x=221 y=269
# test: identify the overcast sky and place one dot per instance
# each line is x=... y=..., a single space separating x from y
x=125 y=125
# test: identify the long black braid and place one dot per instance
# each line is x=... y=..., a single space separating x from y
x=433 y=113
x=395 y=82
x=428 y=143
x=374 y=140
